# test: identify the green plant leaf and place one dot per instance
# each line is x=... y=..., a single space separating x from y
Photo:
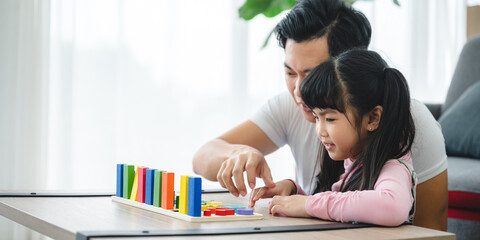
x=269 y=8
x=350 y=2
x=278 y=6
x=252 y=8
x=268 y=38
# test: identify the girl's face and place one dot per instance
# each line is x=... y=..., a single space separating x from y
x=338 y=133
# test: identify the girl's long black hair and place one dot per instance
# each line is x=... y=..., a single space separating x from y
x=362 y=80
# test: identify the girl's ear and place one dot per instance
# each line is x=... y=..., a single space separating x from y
x=374 y=118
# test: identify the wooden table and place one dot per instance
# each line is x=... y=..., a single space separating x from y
x=92 y=217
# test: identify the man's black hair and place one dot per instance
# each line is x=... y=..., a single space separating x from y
x=344 y=27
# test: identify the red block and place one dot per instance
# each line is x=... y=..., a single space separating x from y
x=230 y=212
x=207 y=213
x=212 y=209
x=221 y=212
x=142 y=171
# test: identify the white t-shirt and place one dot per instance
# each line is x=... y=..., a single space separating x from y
x=281 y=120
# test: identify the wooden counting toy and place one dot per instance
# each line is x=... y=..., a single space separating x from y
x=153 y=190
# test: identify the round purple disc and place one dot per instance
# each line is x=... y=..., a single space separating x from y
x=245 y=211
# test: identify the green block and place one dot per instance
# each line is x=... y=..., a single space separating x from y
x=177 y=201
x=128 y=176
x=157 y=188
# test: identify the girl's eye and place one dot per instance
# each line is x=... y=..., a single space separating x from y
x=329 y=119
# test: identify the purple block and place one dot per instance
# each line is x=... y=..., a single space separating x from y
x=245 y=211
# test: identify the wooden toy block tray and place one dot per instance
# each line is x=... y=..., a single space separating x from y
x=185 y=217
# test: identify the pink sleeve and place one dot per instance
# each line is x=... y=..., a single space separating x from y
x=299 y=189
x=388 y=204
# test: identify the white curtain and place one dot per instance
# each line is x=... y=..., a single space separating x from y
x=86 y=84
x=23 y=101
x=421 y=38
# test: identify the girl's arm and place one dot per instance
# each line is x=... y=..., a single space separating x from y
x=388 y=204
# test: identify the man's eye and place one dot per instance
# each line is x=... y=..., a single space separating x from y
x=290 y=74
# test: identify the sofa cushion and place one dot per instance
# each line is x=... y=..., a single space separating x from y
x=461 y=124
x=464 y=174
x=464 y=187
x=466 y=72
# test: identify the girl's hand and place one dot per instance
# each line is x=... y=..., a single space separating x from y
x=282 y=188
x=290 y=206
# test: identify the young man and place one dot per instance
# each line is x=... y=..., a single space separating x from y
x=311 y=33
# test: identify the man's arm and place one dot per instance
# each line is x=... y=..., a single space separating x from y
x=238 y=150
x=432 y=203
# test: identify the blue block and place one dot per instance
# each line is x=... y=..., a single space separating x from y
x=234 y=207
x=120 y=180
x=149 y=183
x=194 y=208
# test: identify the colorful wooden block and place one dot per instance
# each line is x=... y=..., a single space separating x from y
x=120 y=168
x=230 y=212
x=211 y=203
x=194 y=196
x=183 y=205
x=234 y=207
x=177 y=201
x=157 y=189
x=133 y=195
x=221 y=212
x=128 y=176
x=142 y=174
x=212 y=209
x=245 y=211
x=168 y=180
x=149 y=184
x=207 y=213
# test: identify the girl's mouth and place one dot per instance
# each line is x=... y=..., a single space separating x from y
x=329 y=146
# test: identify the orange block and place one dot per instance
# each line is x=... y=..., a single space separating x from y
x=168 y=180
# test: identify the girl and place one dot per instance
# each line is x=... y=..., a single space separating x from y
x=362 y=112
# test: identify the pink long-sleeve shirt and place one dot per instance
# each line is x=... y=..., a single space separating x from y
x=388 y=204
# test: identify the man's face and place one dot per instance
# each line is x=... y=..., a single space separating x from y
x=300 y=59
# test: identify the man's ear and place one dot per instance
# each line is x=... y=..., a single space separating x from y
x=374 y=118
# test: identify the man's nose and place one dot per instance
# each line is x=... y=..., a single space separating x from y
x=298 y=81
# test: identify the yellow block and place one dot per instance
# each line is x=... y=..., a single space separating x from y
x=214 y=203
x=183 y=205
x=204 y=207
x=133 y=195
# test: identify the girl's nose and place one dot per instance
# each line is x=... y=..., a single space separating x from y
x=321 y=132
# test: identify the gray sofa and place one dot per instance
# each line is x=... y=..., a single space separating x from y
x=459 y=117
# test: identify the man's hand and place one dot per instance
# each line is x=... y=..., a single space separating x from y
x=282 y=188
x=244 y=159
